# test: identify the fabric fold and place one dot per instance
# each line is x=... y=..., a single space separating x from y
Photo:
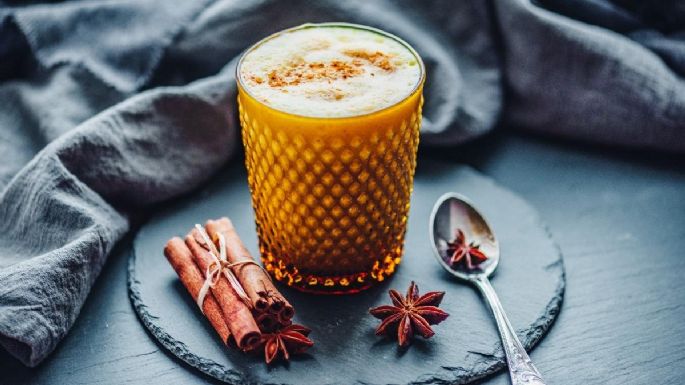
x=61 y=216
x=120 y=42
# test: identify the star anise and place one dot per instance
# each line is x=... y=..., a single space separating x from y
x=458 y=251
x=410 y=314
x=291 y=339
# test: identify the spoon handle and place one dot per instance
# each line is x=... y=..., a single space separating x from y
x=521 y=368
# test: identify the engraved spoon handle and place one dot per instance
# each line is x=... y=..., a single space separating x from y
x=521 y=368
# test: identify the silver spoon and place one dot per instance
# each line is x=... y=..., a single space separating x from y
x=451 y=212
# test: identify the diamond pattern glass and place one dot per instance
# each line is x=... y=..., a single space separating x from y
x=330 y=195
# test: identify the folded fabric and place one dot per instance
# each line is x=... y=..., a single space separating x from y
x=108 y=108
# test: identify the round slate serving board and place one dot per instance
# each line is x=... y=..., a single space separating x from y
x=529 y=281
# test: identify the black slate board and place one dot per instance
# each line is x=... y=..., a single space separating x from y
x=530 y=282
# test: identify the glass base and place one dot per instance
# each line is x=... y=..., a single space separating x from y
x=336 y=285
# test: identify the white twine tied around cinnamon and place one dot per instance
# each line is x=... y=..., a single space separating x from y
x=220 y=264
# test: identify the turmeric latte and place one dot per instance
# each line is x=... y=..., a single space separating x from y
x=330 y=71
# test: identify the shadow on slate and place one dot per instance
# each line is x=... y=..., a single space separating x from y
x=530 y=282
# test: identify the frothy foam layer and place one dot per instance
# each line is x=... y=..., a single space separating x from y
x=324 y=71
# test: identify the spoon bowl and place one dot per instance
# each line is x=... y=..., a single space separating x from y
x=452 y=212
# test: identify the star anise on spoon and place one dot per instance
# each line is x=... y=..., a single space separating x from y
x=291 y=339
x=458 y=251
x=409 y=315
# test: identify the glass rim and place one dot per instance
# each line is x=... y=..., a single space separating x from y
x=413 y=91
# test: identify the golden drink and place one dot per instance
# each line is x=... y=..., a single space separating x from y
x=330 y=117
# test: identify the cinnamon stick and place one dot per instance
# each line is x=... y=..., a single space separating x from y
x=237 y=315
x=181 y=259
x=267 y=322
x=255 y=281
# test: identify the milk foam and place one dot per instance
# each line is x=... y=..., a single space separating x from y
x=326 y=71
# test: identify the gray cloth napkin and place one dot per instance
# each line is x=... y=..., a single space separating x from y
x=108 y=108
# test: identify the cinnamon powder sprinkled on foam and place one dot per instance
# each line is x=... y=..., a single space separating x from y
x=330 y=71
x=378 y=58
x=296 y=73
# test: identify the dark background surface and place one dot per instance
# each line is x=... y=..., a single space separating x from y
x=618 y=216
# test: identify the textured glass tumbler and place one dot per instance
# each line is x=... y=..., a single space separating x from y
x=331 y=195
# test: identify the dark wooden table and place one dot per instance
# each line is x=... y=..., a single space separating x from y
x=618 y=215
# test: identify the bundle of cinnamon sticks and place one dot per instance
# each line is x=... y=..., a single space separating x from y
x=241 y=303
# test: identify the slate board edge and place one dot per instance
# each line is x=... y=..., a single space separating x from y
x=492 y=362
x=172 y=345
